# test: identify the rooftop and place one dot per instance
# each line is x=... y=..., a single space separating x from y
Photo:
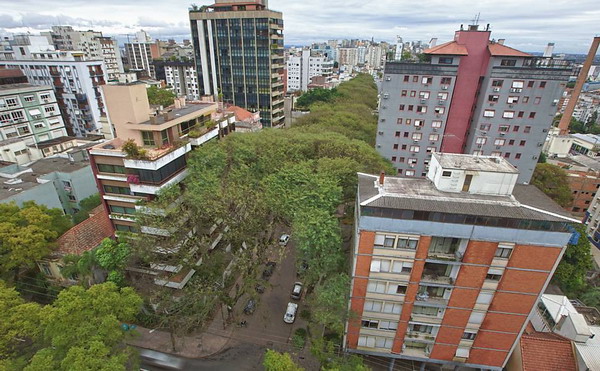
x=546 y=351
x=86 y=235
x=177 y=113
x=22 y=88
x=475 y=163
x=527 y=202
x=449 y=48
x=501 y=50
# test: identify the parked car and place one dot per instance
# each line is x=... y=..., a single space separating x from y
x=151 y=357
x=290 y=313
x=297 y=291
x=269 y=269
x=284 y=239
x=250 y=306
x=260 y=288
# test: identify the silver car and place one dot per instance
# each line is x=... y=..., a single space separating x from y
x=297 y=291
x=290 y=313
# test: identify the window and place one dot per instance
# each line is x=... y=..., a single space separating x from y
x=427 y=80
x=426 y=311
x=537 y=100
x=425 y=329
x=405 y=135
x=436 y=124
x=445 y=60
x=521 y=113
x=408 y=121
x=401 y=108
x=45 y=96
x=395 y=146
x=49 y=109
x=476 y=317
x=508 y=114
x=399 y=266
x=542 y=84
x=39 y=125
x=393 y=158
x=397 y=289
x=522 y=143
x=424 y=95
x=122 y=210
x=419 y=123
x=503 y=128
x=507 y=155
x=433 y=137
x=508 y=62
x=494 y=274
x=517 y=85
x=467 y=335
x=375 y=342
x=393 y=241
x=72 y=198
x=422 y=109
x=493 y=98
x=489 y=113
x=410 y=173
x=485 y=127
x=504 y=250
x=23 y=130
x=517 y=156
x=12 y=102
x=399 y=121
x=531 y=115
x=442 y=96
x=497 y=83
x=376 y=286
x=415 y=78
x=439 y=110
x=369 y=323
x=446 y=174
x=373 y=306
x=417 y=136
x=446 y=80
x=485 y=297
x=530 y=84
x=391 y=307
x=415 y=149
x=117 y=190
x=527 y=129
x=404 y=92
x=511 y=142
x=525 y=99
x=397 y=134
x=516 y=128
x=429 y=150
x=21 y=152
x=104 y=168
x=148 y=138
x=388 y=325
x=5 y=118
x=410 y=107
x=499 y=142
x=406 y=78
x=18 y=115
x=512 y=100
x=29 y=98
x=481 y=140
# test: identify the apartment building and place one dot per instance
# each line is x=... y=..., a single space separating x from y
x=474 y=96
x=140 y=53
x=93 y=45
x=347 y=56
x=303 y=67
x=29 y=113
x=182 y=78
x=447 y=269
x=239 y=54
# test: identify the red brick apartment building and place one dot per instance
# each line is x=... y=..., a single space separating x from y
x=447 y=269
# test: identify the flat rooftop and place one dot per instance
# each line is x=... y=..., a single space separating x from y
x=475 y=163
x=422 y=195
x=38 y=169
x=178 y=112
x=22 y=88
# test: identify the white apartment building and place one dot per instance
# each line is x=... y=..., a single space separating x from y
x=139 y=54
x=302 y=68
x=347 y=56
x=375 y=56
x=182 y=78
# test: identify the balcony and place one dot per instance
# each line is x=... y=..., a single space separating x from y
x=158 y=157
x=153 y=189
x=446 y=248
x=433 y=294
x=438 y=273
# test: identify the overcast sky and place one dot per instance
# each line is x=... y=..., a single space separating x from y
x=525 y=24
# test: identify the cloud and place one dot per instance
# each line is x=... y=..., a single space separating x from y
x=526 y=24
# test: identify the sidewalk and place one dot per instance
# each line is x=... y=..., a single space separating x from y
x=211 y=341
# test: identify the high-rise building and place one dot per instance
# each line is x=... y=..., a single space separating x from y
x=239 y=55
x=447 y=269
x=302 y=68
x=140 y=53
x=347 y=56
x=375 y=56
x=472 y=96
x=91 y=43
x=29 y=113
x=181 y=77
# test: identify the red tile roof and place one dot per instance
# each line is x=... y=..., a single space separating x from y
x=449 y=48
x=499 y=50
x=547 y=351
x=86 y=235
x=240 y=113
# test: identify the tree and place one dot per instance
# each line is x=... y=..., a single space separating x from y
x=316 y=95
x=28 y=234
x=275 y=361
x=160 y=97
x=553 y=181
x=87 y=204
x=19 y=322
x=576 y=262
x=406 y=55
x=330 y=305
x=113 y=256
x=82 y=329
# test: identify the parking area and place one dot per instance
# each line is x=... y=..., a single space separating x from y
x=266 y=326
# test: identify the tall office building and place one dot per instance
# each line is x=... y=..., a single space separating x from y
x=239 y=55
x=473 y=96
x=447 y=270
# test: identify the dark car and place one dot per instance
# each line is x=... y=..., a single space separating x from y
x=269 y=269
x=260 y=288
x=250 y=306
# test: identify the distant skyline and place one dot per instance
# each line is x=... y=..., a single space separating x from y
x=526 y=25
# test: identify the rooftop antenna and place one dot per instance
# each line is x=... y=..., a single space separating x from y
x=476 y=19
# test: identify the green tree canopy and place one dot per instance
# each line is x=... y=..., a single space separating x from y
x=316 y=95
x=576 y=262
x=160 y=96
x=552 y=180
x=275 y=361
x=87 y=205
x=113 y=256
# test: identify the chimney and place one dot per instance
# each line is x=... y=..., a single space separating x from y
x=501 y=41
x=433 y=42
x=381 y=178
x=549 y=50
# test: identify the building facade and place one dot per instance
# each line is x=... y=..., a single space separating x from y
x=182 y=78
x=448 y=269
x=76 y=84
x=92 y=44
x=30 y=113
x=239 y=55
x=302 y=68
x=474 y=96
